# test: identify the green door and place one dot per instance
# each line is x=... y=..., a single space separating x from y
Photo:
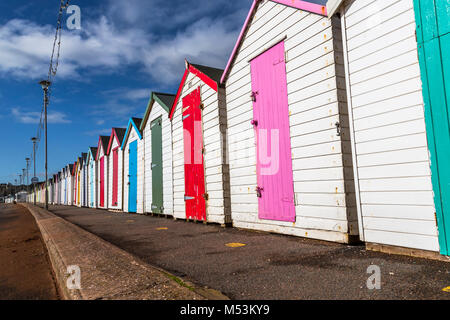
x=157 y=167
x=433 y=26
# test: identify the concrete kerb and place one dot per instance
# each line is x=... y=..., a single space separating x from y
x=107 y=272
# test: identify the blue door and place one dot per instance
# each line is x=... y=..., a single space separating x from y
x=91 y=186
x=132 y=177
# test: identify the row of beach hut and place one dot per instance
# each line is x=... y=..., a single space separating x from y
x=329 y=121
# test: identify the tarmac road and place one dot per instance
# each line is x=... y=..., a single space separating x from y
x=25 y=271
x=268 y=266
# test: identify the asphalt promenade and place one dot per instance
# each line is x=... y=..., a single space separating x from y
x=246 y=264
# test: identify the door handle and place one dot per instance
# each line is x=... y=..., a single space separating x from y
x=253 y=95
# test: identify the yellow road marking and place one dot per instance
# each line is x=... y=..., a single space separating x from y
x=130 y=221
x=235 y=245
x=446 y=289
x=162 y=228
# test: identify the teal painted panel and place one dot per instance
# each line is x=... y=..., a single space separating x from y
x=434 y=59
x=426 y=21
x=436 y=116
x=444 y=42
x=443 y=16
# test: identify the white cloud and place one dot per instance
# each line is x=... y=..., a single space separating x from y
x=128 y=94
x=104 y=47
x=99 y=132
x=54 y=117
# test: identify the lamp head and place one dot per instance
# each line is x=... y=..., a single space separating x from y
x=45 y=84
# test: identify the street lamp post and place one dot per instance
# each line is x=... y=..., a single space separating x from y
x=28 y=170
x=45 y=85
x=28 y=173
x=34 y=165
x=24 y=172
x=15 y=188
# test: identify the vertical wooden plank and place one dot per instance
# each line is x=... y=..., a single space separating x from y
x=443 y=16
x=426 y=20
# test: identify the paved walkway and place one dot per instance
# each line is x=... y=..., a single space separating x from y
x=268 y=266
x=102 y=270
x=25 y=270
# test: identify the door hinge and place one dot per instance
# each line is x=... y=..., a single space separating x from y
x=202 y=106
x=203 y=150
x=259 y=192
x=253 y=95
x=206 y=196
x=338 y=128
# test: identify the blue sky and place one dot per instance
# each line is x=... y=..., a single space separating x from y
x=124 y=50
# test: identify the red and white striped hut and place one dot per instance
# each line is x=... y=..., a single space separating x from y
x=200 y=172
x=102 y=165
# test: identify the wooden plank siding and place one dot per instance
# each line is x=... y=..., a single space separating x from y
x=390 y=141
x=214 y=137
x=119 y=205
x=322 y=166
x=158 y=111
x=101 y=153
x=92 y=174
x=133 y=136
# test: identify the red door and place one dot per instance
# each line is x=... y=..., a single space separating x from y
x=115 y=176
x=102 y=182
x=193 y=157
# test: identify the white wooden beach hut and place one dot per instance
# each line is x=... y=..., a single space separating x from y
x=157 y=133
x=132 y=148
x=388 y=129
x=289 y=150
x=115 y=169
x=102 y=165
x=83 y=180
x=63 y=186
x=92 y=178
x=69 y=175
x=200 y=172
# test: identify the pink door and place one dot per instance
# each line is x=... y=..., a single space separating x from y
x=275 y=189
x=115 y=190
x=102 y=182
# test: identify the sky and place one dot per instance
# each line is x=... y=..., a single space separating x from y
x=108 y=68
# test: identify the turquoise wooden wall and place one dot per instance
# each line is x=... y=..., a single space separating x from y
x=433 y=38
